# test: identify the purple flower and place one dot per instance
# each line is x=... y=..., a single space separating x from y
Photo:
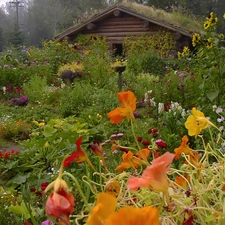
x=219 y=110
x=47 y=222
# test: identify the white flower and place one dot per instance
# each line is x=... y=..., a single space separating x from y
x=160 y=107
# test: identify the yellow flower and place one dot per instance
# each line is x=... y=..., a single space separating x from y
x=179 y=55
x=106 y=205
x=197 y=122
x=195 y=39
x=210 y=43
x=224 y=15
x=207 y=25
x=41 y=124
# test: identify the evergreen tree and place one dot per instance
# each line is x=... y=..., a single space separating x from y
x=16 y=37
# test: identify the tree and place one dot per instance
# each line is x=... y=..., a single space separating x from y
x=16 y=37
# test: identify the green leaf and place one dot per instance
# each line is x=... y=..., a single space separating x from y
x=210 y=218
x=212 y=95
x=49 y=131
x=21 y=210
x=19 y=179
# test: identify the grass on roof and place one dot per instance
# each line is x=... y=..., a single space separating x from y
x=178 y=18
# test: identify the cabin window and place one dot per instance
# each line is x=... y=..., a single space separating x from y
x=117 y=49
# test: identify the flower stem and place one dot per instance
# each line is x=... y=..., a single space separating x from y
x=79 y=189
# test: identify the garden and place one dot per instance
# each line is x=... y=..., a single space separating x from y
x=76 y=149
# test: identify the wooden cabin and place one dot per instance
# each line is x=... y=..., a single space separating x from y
x=118 y=22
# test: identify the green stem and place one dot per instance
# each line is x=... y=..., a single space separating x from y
x=132 y=128
x=79 y=189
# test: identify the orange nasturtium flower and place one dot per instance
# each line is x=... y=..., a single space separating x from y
x=128 y=106
x=154 y=176
x=197 y=122
x=133 y=161
x=104 y=213
x=106 y=205
x=60 y=204
x=184 y=148
x=182 y=181
x=139 y=216
x=79 y=156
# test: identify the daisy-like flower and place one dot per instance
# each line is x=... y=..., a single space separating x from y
x=207 y=25
x=128 y=106
x=197 y=122
x=195 y=39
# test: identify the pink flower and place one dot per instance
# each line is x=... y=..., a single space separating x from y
x=154 y=176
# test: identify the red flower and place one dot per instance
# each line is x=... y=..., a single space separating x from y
x=223 y=187
x=44 y=185
x=27 y=223
x=79 y=156
x=139 y=139
x=33 y=189
x=146 y=142
x=0 y=153
x=7 y=154
x=155 y=130
x=161 y=143
x=60 y=204
x=149 y=131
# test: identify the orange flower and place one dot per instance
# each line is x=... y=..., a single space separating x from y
x=130 y=215
x=79 y=156
x=183 y=148
x=154 y=176
x=112 y=187
x=104 y=213
x=106 y=205
x=133 y=161
x=60 y=205
x=197 y=122
x=181 y=181
x=128 y=106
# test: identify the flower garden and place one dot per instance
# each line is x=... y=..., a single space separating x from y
x=88 y=153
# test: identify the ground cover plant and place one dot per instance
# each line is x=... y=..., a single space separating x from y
x=88 y=153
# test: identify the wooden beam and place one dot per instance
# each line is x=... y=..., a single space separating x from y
x=91 y=26
x=117 y=13
x=146 y=23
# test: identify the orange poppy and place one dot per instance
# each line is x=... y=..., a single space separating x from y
x=128 y=106
x=154 y=176
x=130 y=215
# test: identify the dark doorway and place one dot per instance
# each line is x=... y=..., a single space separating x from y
x=117 y=49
